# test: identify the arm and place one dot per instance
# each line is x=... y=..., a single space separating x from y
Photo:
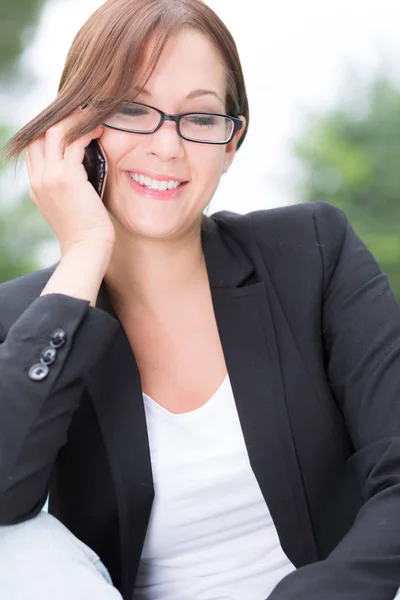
x=361 y=332
x=35 y=414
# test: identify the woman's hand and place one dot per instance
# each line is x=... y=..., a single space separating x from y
x=61 y=190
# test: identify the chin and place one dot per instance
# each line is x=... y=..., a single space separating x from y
x=149 y=228
x=161 y=223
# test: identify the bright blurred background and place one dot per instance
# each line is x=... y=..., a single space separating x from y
x=324 y=86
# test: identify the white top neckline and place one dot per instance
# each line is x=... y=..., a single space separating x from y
x=150 y=403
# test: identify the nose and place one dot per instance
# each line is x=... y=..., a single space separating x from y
x=166 y=143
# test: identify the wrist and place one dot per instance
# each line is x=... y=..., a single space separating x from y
x=80 y=271
x=88 y=250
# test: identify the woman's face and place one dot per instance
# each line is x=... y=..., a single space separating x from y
x=189 y=62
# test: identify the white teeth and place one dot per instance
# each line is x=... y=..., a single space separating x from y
x=153 y=183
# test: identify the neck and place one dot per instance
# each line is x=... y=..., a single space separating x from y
x=148 y=276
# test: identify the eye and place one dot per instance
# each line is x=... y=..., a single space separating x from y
x=130 y=111
x=202 y=120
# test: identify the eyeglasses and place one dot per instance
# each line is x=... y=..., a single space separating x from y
x=204 y=128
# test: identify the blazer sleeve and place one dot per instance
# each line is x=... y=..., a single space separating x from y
x=35 y=414
x=361 y=332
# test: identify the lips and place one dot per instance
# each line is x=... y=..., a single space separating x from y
x=168 y=194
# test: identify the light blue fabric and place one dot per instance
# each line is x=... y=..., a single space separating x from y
x=41 y=559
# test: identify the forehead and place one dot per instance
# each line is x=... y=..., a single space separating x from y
x=189 y=61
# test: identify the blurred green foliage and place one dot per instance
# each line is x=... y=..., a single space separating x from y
x=22 y=229
x=350 y=157
x=18 y=24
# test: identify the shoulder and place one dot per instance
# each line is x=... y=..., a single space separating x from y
x=297 y=219
x=307 y=230
x=16 y=295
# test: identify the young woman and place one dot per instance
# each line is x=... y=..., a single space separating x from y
x=212 y=402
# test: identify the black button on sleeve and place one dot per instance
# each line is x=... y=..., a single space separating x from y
x=58 y=338
x=38 y=372
x=48 y=356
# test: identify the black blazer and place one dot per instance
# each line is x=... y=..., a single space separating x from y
x=311 y=335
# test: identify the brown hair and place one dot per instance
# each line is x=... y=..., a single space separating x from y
x=114 y=37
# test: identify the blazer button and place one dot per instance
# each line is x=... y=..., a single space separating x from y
x=48 y=356
x=38 y=372
x=58 y=338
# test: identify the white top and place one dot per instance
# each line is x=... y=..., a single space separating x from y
x=210 y=535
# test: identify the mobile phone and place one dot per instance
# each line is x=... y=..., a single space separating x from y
x=96 y=166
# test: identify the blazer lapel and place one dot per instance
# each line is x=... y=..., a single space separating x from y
x=243 y=314
x=246 y=326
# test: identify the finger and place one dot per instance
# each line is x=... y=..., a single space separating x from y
x=28 y=166
x=54 y=147
x=36 y=158
x=55 y=139
x=75 y=152
x=33 y=196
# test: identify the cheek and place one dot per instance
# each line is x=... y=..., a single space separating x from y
x=116 y=145
x=209 y=163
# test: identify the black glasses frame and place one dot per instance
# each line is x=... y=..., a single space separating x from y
x=237 y=124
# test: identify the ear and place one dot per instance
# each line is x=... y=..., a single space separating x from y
x=232 y=146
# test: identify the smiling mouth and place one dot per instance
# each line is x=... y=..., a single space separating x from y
x=155 y=184
x=160 y=191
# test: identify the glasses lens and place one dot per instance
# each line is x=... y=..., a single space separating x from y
x=135 y=117
x=207 y=128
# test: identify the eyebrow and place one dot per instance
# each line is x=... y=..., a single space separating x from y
x=193 y=94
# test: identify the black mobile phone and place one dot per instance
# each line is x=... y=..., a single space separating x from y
x=96 y=166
